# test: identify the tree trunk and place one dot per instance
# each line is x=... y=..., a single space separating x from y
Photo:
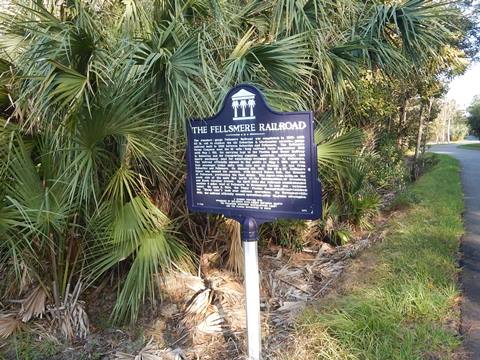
x=424 y=137
x=403 y=120
x=444 y=130
x=419 y=142
x=449 y=123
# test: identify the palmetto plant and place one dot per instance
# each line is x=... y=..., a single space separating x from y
x=95 y=97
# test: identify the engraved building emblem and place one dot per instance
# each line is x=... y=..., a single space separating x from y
x=243 y=103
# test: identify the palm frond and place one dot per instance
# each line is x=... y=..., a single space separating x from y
x=335 y=147
x=140 y=231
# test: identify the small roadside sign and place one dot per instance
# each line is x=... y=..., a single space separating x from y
x=253 y=164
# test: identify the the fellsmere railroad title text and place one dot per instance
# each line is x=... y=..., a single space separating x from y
x=258 y=127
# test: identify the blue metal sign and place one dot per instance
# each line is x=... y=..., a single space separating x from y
x=249 y=161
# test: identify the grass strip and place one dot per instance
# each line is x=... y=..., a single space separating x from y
x=469 y=146
x=405 y=307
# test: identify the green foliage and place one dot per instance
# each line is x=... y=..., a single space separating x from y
x=404 y=308
x=332 y=228
x=354 y=206
x=360 y=203
x=288 y=233
x=474 y=115
x=4 y=80
x=27 y=346
x=460 y=130
x=363 y=208
x=137 y=230
x=375 y=99
x=335 y=146
x=384 y=165
x=449 y=121
x=97 y=95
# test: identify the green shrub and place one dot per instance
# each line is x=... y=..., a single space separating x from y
x=363 y=207
x=331 y=228
x=27 y=346
x=288 y=233
x=385 y=166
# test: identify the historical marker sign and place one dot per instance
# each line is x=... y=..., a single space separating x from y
x=253 y=164
x=251 y=161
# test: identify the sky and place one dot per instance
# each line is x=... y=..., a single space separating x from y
x=463 y=88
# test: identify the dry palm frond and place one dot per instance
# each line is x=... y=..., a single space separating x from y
x=152 y=352
x=215 y=309
x=34 y=304
x=211 y=324
x=70 y=317
x=293 y=283
x=235 y=251
x=209 y=261
x=42 y=332
x=199 y=304
x=287 y=313
x=9 y=323
x=26 y=278
x=74 y=322
x=311 y=231
x=180 y=286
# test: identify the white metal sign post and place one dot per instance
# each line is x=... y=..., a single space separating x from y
x=252 y=287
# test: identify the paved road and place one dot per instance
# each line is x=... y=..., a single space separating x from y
x=470 y=162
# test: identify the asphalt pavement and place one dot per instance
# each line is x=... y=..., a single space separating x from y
x=470 y=247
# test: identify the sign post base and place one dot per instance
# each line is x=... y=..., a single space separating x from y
x=252 y=287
